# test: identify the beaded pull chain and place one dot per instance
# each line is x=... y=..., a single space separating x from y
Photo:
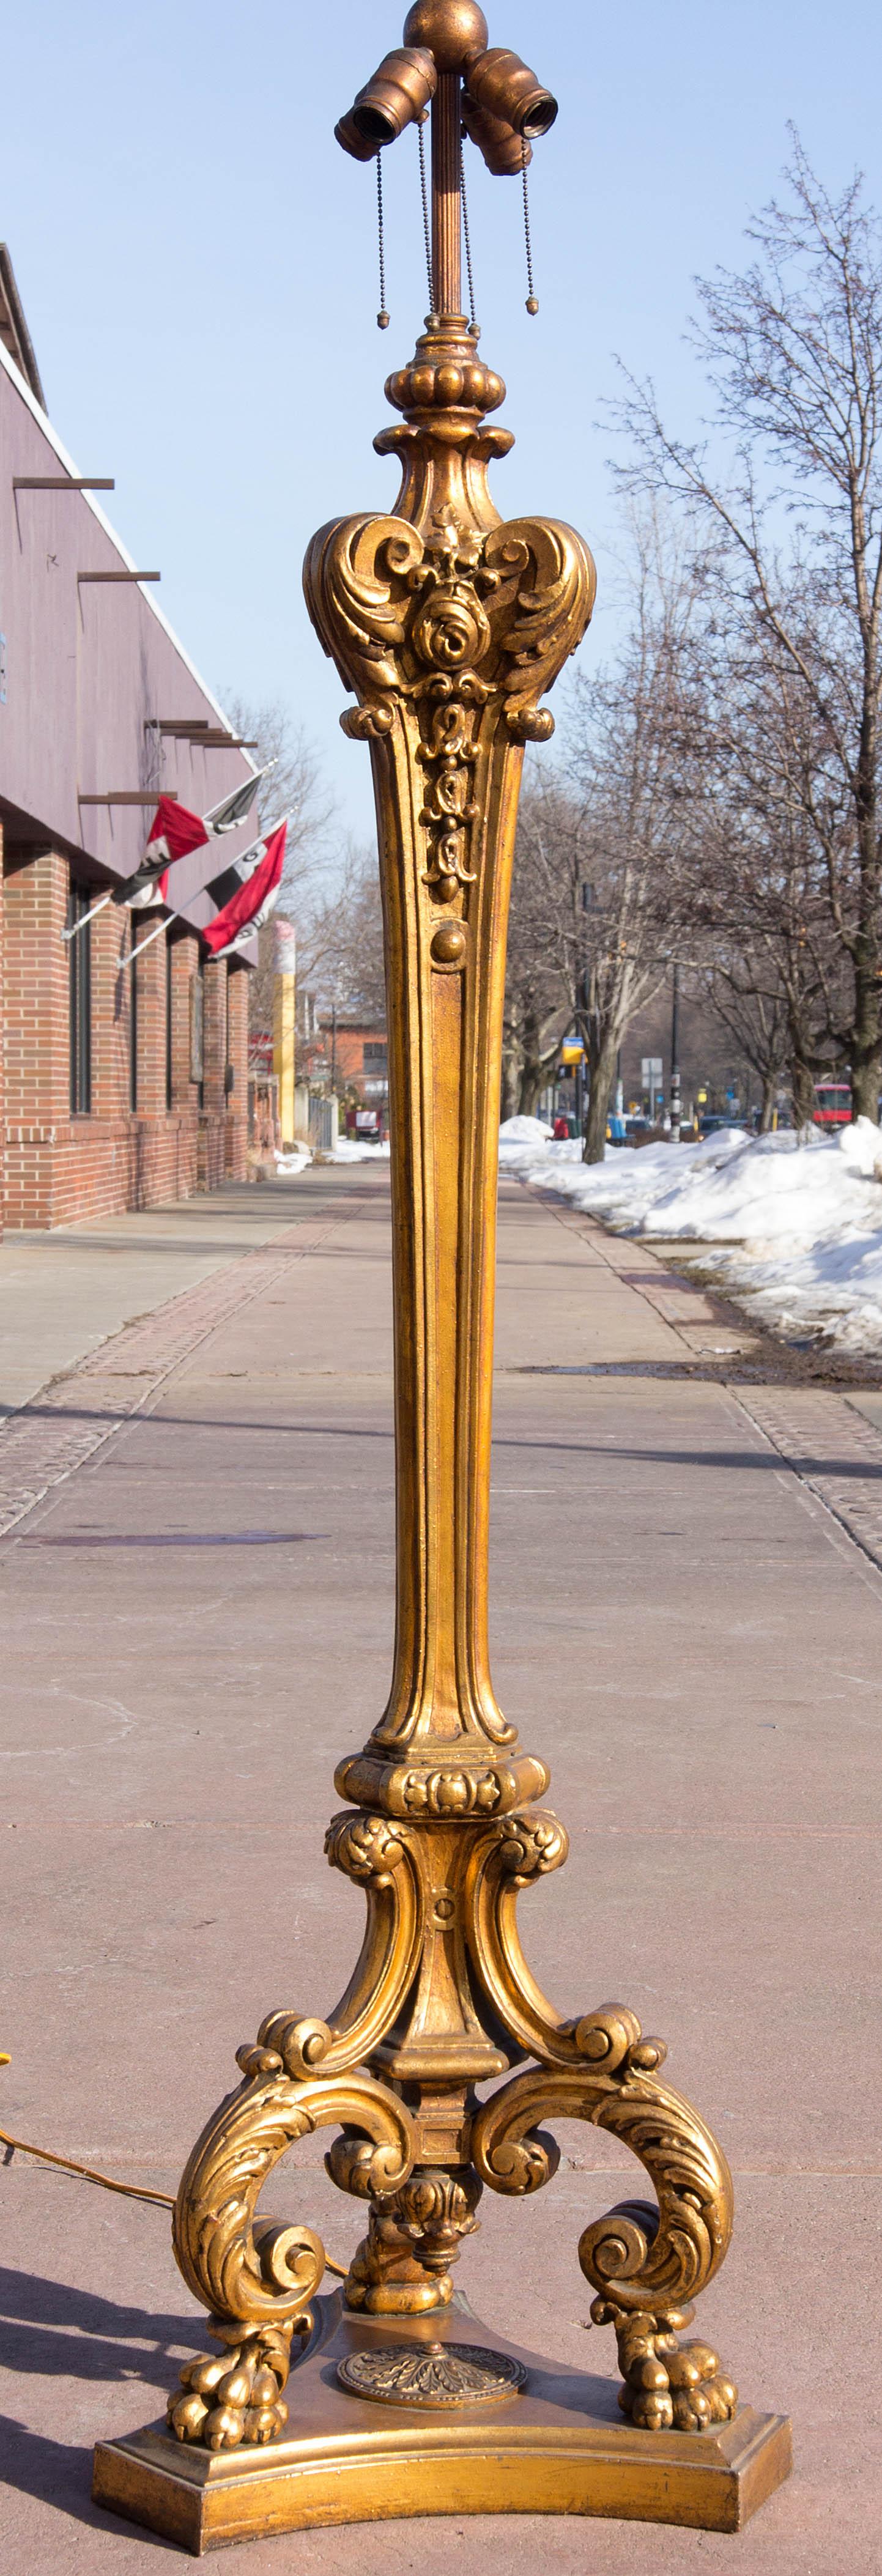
x=468 y=246
x=382 y=316
x=424 y=193
x=532 y=297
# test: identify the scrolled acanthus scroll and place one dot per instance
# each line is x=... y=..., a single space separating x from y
x=258 y=2278
x=646 y=2264
x=378 y=1857
x=547 y=583
x=517 y=1851
x=356 y=581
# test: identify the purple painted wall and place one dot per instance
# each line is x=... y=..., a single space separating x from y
x=86 y=665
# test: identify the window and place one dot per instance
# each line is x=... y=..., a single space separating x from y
x=169 y=1090
x=375 y=1055
x=133 y=1016
x=80 y=954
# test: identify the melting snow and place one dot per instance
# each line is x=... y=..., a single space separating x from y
x=803 y=1218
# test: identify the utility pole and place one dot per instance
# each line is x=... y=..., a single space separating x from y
x=285 y=1024
x=584 y=993
x=675 y=1051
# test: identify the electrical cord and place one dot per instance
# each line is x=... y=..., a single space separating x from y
x=89 y=2173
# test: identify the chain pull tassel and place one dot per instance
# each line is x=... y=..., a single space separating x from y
x=382 y=316
x=532 y=297
x=468 y=245
x=427 y=228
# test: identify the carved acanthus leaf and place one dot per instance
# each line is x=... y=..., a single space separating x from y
x=636 y=2266
x=356 y=582
x=546 y=595
x=242 y=2269
x=390 y=606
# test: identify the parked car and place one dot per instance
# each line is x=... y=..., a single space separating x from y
x=368 y=1126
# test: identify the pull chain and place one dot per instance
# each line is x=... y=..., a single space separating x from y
x=427 y=229
x=382 y=316
x=532 y=297
x=468 y=246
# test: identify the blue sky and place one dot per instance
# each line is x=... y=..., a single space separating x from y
x=197 y=262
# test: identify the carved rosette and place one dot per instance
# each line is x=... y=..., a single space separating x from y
x=432 y=2376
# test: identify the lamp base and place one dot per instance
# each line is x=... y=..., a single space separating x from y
x=557 y=2445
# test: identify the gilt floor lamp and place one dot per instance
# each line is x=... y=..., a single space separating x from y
x=446 y=625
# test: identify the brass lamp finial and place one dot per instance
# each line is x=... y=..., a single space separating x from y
x=455 y=31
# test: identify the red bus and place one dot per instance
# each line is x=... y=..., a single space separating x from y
x=832 y=1104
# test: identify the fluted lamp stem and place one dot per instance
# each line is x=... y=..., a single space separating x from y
x=447 y=194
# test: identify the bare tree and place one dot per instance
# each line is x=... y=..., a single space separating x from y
x=776 y=974
x=748 y=1002
x=757 y=767
x=628 y=736
x=793 y=351
x=294 y=787
x=346 y=938
x=539 y=983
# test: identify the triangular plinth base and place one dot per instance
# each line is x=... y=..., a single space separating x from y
x=558 y=2446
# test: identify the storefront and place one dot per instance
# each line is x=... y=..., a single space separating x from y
x=123 y=1084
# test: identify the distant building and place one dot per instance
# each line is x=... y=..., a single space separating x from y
x=121 y=1087
x=356 y=1053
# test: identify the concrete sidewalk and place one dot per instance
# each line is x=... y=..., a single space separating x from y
x=62 y=1294
x=687 y=1621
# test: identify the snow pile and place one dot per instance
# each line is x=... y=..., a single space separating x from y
x=349 y=1150
x=804 y=1220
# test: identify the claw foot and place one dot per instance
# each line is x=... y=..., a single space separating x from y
x=236 y=2396
x=666 y=2383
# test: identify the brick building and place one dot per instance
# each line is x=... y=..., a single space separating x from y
x=119 y=1087
x=356 y=1055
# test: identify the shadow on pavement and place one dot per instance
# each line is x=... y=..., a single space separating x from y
x=863 y=1469
x=30 y=2302
x=179 y=1538
x=60 y=2474
x=54 y=2331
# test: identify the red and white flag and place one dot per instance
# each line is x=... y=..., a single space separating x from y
x=246 y=903
x=173 y=833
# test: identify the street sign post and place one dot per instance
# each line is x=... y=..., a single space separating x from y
x=652 y=1080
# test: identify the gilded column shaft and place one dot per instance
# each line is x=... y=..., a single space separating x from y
x=444 y=1009
x=448 y=624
